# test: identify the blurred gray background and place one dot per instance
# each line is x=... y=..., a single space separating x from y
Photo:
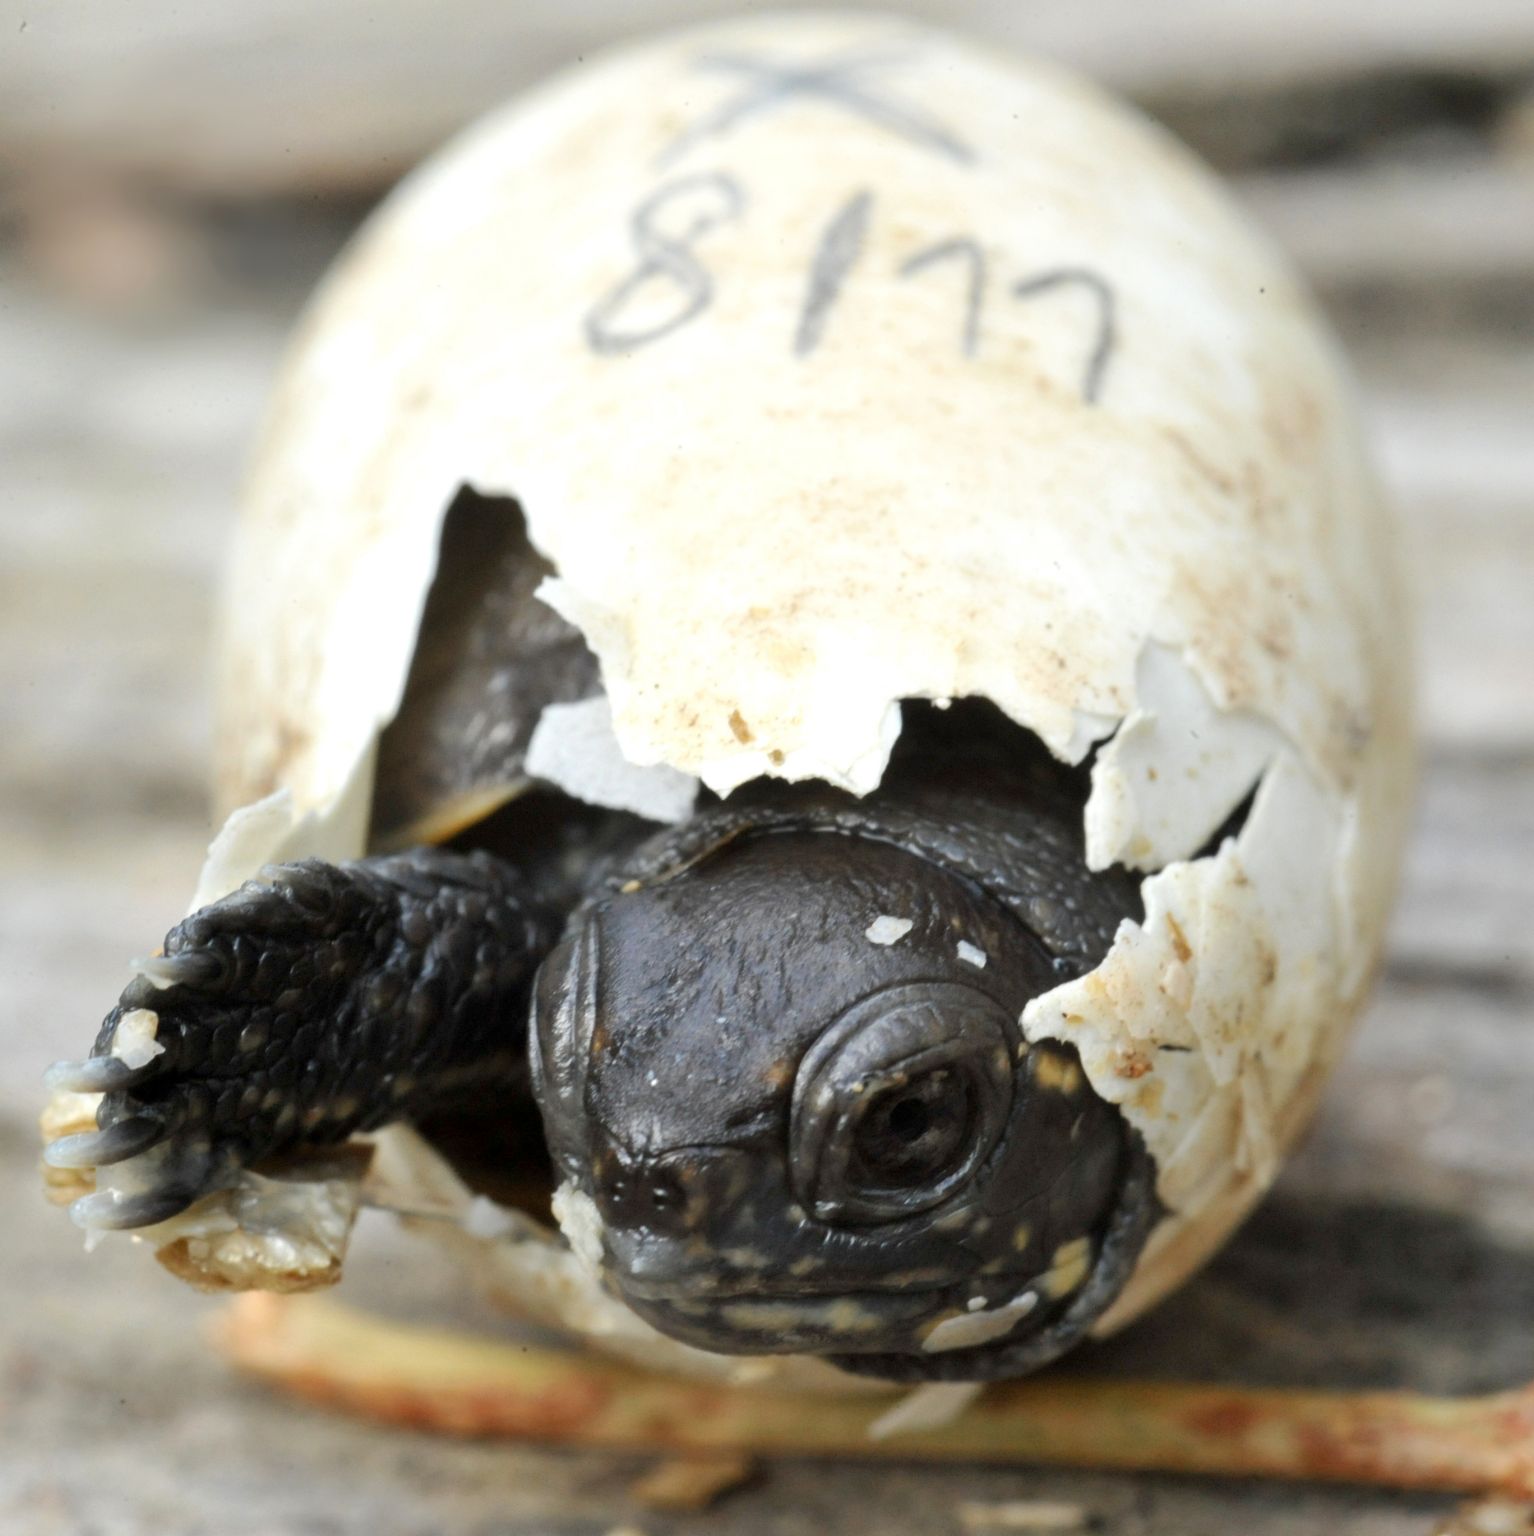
x=173 y=178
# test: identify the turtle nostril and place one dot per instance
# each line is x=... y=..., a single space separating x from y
x=665 y=1192
x=649 y=1196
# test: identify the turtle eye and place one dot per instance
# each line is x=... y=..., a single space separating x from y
x=912 y=1133
x=900 y=1101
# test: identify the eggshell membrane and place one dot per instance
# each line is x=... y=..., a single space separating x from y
x=865 y=457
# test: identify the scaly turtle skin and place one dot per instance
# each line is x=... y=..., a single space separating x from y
x=776 y=1048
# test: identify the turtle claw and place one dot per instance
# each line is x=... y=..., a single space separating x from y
x=191 y=968
x=110 y=1210
x=96 y=1074
x=97 y=1149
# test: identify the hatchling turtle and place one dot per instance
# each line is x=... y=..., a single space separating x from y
x=818 y=675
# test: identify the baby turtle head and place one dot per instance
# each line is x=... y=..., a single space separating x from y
x=791 y=1082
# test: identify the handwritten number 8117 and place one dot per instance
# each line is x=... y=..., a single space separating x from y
x=670 y=286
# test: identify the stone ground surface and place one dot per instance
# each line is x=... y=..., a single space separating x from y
x=138 y=330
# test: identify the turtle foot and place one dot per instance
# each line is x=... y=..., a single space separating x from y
x=202 y=1062
x=319 y=1000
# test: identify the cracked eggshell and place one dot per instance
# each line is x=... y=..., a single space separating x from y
x=836 y=361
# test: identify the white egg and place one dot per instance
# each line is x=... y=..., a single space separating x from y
x=835 y=361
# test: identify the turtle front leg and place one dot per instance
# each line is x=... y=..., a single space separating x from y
x=319 y=1000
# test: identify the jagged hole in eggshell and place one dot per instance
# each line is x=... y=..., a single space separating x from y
x=1173 y=1026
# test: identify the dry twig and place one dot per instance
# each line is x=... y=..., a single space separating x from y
x=440 y=1381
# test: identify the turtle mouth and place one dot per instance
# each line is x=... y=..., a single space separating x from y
x=704 y=1294
x=767 y=1321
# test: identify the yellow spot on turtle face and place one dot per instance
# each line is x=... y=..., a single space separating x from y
x=1053 y=1071
x=928 y=1329
x=917 y=1278
x=1022 y=1235
x=841 y=1314
x=977 y=1325
x=1068 y=1268
x=746 y=1259
x=852 y=1317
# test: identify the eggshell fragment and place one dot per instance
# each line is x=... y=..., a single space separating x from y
x=573 y=747
x=133 y=1041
